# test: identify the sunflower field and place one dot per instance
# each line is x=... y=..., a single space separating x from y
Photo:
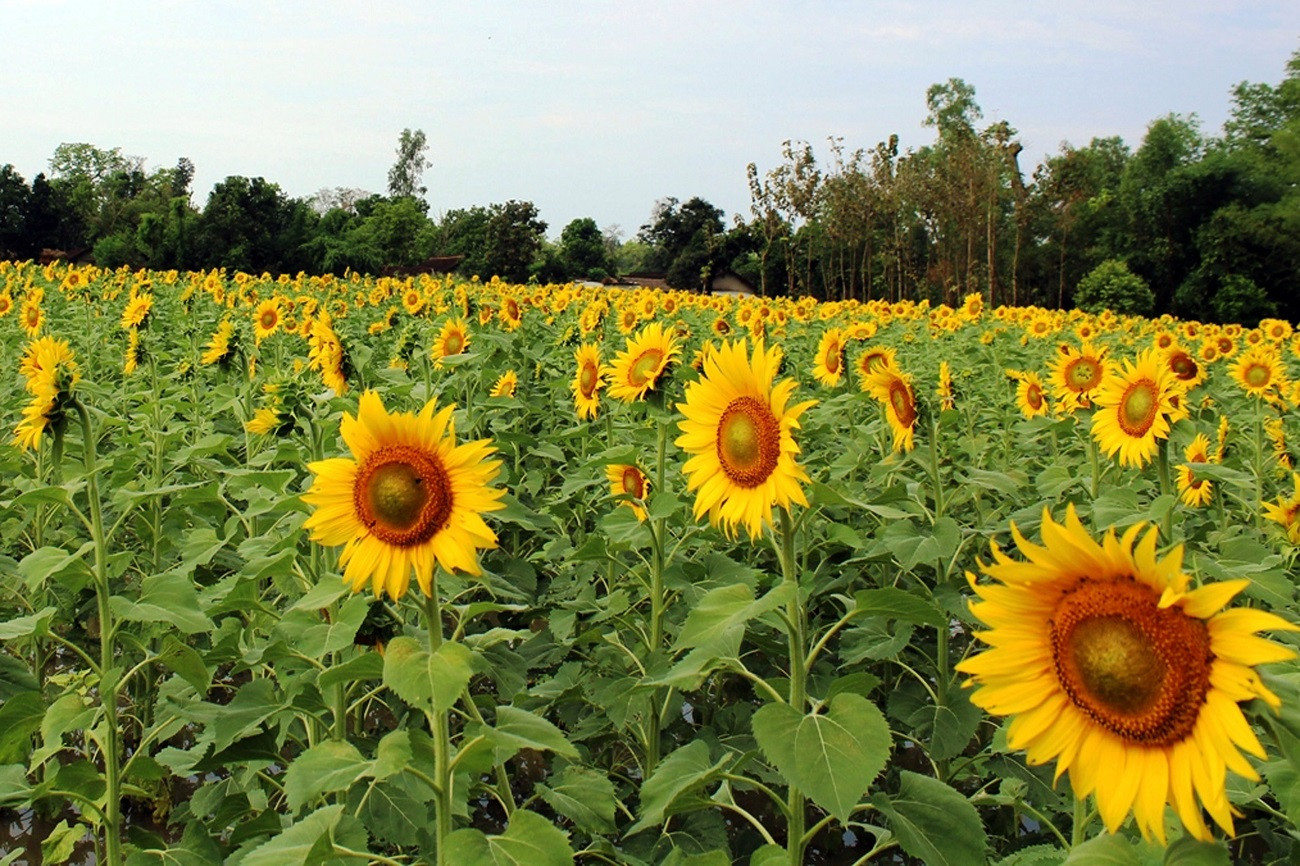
x=376 y=570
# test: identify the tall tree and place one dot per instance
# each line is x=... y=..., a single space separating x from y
x=512 y=239
x=405 y=178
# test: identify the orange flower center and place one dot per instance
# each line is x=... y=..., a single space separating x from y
x=634 y=482
x=1183 y=366
x=588 y=377
x=749 y=441
x=1034 y=396
x=1138 y=671
x=269 y=318
x=453 y=344
x=645 y=369
x=1257 y=375
x=1082 y=374
x=1138 y=408
x=900 y=397
x=833 y=357
x=402 y=495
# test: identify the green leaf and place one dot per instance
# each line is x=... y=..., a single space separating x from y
x=934 y=822
x=20 y=718
x=724 y=611
x=520 y=729
x=13 y=783
x=392 y=755
x=332 y=765
x=169 y=597
x=252 y=704
x=297 y=845
x=25 y=626
x=1189 y=852
x=833 y=758
x=185 y=661
x=584 y=796
x=899 y=604
x=419 y=677
x=1035 y=855
x=363 y=668
x=678 y=775
x=769 y=855
x=530 y=840
x=45 y=563
x=396 y=810
x=1103 y=850
x=62 y=841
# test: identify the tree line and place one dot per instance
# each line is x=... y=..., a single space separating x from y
x=1204 y=226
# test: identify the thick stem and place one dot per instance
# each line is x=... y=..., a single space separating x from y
x=657 y=604
x=109 y=678
x=796 y=615
x=1166 y=487
x=438 y=726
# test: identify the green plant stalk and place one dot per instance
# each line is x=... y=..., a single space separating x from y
x=438 y=726
x=1166 y=487
x=1082 y=818
x=1094 y=466
x=934 y=467
x=657 y=605
x=109 y=682
x=798 y=627
x=1259 y=463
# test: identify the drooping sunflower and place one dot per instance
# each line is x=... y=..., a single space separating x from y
x=1120 y=672
x=1134 y=407
x=1285 y=511
x=131 y=356
x=1258 y=370
x=636 y=370
x=947 y=398
x=452 y=339
x=870 y=359
x=738 y=428
x=219 y=347
x=51 y=374
x=630 y=483
x=325 y=354
x=1076 y=374
x=1192 y=490
x=505 y=385
x=828 y=367
x=587 y=381
x=893 y=388
x=408 y=499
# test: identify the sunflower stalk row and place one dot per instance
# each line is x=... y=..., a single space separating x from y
x=422 y=570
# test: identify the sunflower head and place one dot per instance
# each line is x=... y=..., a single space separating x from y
x=1136 y=404
x=1114 y=667
x=630 y=485
x=587 y=381
x=738 y=428
x=637 y=369
x=409 y=498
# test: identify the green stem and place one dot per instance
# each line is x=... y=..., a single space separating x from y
x=1094 y=466
x=1082 y=817
x=797 y=629
x=109 y=680
x=934 y=466
x=438 y=726
x=1166 y=487
x=657 y=603
x=1259 y=462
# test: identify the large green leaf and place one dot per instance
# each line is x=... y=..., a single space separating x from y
x=170 y=598
x=418 y=676
x=832 y=758
x=1104 y=850
x=26 y=626
x=893 y=603
x=724 y=612
x=332 y=765
x=530 y=840
x=584 y=796
x=307 y=840
x=934 y=822
x=680 y=774
x=20 y=718
x=519 y=729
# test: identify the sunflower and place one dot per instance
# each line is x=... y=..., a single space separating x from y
x=265 y=420
x=1286 y=511
x=721 y=327
x=266 y=320
x=1029 y=395
x=1192 y=490
x=505 y=385
x=218 y=348
x=894 y=390
x=408 y=499
x=33 y=315
x=50 y=370
x=511 y=315
x=829 y=365
x=587 y=381
x=870 y=359
x=1258 y=370
x=452 y=339
x=325 y=354
x=631 y=484
x=137 y=311
x=1184 y=365
x=6 y=303
x=1135 y=405
x=627 y=319
x=1114 y=667
x=1076 y=374
x=413 y=302
x=131 y=356
x=637 y=368
x=738 y=427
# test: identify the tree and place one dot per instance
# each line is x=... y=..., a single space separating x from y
x=682 y=241
x=249 y=224
x=1112 y=286
x=512 y=239
x=404 y=178
x=583 y=250
x=397 y=231
x=14 y=196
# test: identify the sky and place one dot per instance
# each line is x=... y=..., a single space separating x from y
x=599 y=109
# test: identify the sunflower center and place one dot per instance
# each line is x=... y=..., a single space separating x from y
x=1257 y=375
x=587 y=378
x=900 y=398
x=454 y=343
x=1184 y=366
x=833 y=358
x=1083 y=374
x=749 y=441
x=1137 y=670
x=269 y=319
x=1138 y=407
x=1034 y=397
x=402 y=495
x=645 y=367
x=633 y=482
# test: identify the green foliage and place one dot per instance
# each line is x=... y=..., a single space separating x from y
x=1112 y=286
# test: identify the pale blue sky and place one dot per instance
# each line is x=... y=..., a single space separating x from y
x=598 y=108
